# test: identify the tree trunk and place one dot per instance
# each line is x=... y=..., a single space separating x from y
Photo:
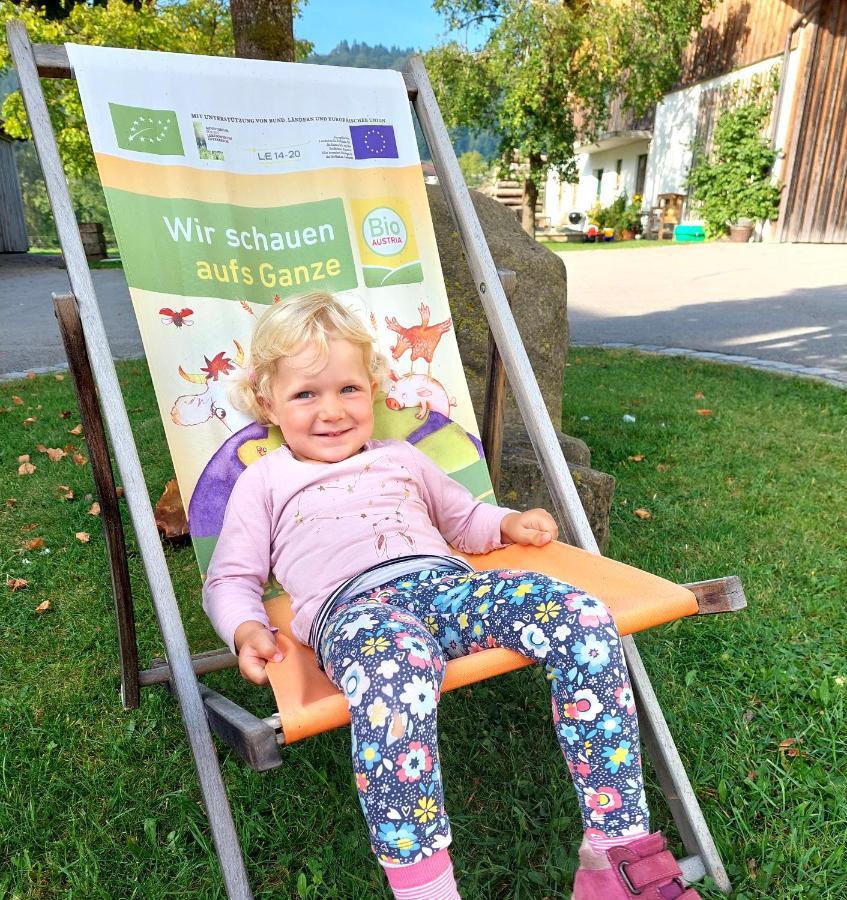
x=530 y=196
x=263 y=29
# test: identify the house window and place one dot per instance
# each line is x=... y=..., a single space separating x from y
x=598 y=174
x=618 y=167
x=641 y=174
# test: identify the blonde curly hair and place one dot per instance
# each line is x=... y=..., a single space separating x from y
x=284 y=330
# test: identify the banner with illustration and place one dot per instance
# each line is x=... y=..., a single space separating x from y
x=235 y=184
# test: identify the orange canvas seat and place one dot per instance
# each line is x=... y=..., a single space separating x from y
x=309 y=703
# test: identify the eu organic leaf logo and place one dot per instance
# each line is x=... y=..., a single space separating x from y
x=146 y=130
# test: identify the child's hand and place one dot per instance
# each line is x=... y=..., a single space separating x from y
x=256 y=647
x=535 y=526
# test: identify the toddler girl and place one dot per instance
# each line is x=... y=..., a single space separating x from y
x=361 y=534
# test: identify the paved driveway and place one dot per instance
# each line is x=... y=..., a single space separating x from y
x=781 y=302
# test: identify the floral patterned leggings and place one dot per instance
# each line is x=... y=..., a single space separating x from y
x=386 y=651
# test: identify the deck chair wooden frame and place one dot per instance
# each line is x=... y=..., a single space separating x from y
x=98 y=391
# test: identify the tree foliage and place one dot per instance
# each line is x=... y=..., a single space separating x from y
x=735 y=181
x=549 y=68
x=195 y=26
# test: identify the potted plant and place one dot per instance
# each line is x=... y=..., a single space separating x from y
x=629 y=221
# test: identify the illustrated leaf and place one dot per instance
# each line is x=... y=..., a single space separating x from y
x=34 y=544
x=83 y=537
x=43 y=606
x=95 y=509
x=643 y=513
x=77 y=429
x=16 y=584
x=26 y=468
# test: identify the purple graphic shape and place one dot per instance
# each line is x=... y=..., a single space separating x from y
x=215 y=484
x=374 y=142
x=436 y=421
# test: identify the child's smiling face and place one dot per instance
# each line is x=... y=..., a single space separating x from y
x=323 y=405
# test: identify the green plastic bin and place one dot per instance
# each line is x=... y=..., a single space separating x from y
x=689 y=234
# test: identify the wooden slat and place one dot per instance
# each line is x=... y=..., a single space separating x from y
x=718 y=595
x=52 y=61
x=70 y=327
x=202 y=663
x=126 y=454
x=495 y=395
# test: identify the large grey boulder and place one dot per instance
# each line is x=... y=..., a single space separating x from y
x=539 y=305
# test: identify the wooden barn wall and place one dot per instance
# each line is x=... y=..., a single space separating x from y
x=738 y=33
x=815 y=196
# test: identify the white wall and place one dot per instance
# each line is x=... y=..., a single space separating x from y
x=562 y=198
x=676 y=123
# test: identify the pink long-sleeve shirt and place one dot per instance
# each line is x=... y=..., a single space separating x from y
x=317 y=525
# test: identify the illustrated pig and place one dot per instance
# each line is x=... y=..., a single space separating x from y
x=418 y=390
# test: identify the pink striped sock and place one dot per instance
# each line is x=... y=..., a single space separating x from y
x=607 y=842
x=429 y=879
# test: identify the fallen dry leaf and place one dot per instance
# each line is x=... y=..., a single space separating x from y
x=30 y=376
x=83 y=537
x=95 y=509
x=17 y=400
x=12 y=502
x=639 y=457
x=31 y=420
x=77 y=429
x=69 y=448
x=26 y=468
x=119 y=491
x=752 y=774
x=65 y=491
x=79 y=459
x=704 y=412
x=643 y=513
x=15 y=584
x=34 y=544
x=699 y=395
x=31 y=527
x=24 y=457
x=662 y=467
x=65 y=414
x=59 y=377
x=788 y=742
x=54 y=454
x=43 y=606
x=170 y=513
x=41 y=448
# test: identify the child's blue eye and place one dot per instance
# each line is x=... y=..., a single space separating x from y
x=303 y=395
x=349 y=389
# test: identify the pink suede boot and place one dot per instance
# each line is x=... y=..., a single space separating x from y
x=643 y=868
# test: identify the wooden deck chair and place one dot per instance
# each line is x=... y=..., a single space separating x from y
x=307 y=702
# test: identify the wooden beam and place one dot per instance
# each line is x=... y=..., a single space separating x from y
x=203 y=663
x=51 y=61
x=718 y=595
x=253 y=740
x=70 y=327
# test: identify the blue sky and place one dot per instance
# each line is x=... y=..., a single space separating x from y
x=404 y=23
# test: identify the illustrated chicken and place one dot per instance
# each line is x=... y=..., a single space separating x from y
x=420 y=339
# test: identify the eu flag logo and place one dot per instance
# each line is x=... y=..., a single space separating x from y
x=373 y=142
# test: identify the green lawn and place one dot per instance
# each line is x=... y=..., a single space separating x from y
x=100 y=803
